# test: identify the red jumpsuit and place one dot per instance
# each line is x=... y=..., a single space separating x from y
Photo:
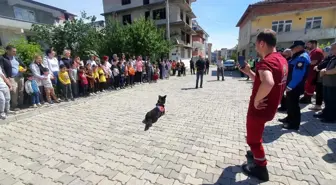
x=256 y=119
x=315 y=55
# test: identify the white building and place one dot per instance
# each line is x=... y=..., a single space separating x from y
x=180 y=19
x=18 y=16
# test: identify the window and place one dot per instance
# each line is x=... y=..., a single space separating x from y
x=159 y=14
x=145 y=2
x=127 y=19
x=147 y=14
x=181 y=15
x=24 y=14
x=314 y=23
x=282 y=26
x=125 y=2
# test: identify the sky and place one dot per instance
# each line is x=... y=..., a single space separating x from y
x=217 y=17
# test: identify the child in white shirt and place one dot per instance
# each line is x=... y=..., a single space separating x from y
x=48 y=86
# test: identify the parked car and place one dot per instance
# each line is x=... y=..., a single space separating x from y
x=229 y=65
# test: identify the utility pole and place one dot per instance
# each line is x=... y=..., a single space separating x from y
x=168 y=21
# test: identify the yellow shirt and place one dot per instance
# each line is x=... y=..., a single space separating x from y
x=64 y=78
x=102 y=77
x=95 y=74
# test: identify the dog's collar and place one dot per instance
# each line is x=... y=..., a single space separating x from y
x=161 y=108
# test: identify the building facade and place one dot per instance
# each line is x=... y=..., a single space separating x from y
x=17 y=17
x=291 y=19
x=199 y=41
x=180 y=19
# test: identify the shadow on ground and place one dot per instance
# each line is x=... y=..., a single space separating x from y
x=331 y=157
x=215 y=81
x=231 y=176
x=188 y=88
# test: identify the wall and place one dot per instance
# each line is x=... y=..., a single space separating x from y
x=244 y=35
x=174 y=13
x=298 y=18
x=41 y=16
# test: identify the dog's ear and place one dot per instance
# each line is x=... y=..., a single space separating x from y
x=159 y=97
x=165 y=96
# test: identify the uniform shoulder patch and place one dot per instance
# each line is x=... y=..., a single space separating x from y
x=299 y=65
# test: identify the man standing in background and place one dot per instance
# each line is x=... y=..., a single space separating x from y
x=220 y=68
x=316 y=57
x=11 y=65
x=200 y=67
x=192 y=67
x=298 y=68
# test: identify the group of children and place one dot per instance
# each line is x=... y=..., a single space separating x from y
x=81 y=80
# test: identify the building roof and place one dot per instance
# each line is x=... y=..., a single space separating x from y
x=48 y=6
x=283 y=6
x=196 y=27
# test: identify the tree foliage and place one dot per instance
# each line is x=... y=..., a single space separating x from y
x=26 y=50
x=142 y=37
x=78 y=35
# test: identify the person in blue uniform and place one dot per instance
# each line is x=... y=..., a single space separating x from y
x=297 y=73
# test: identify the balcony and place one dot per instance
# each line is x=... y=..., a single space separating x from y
x=316 y=34
x=185 y=5
x=12 y=23
x=199 y=45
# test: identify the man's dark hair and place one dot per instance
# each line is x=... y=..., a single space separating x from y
x=45 y=69
x=49 y=51
x=268 y=36
x=9 y=47
x=313 y=42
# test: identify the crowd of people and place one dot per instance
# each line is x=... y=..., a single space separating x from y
x=55 y=79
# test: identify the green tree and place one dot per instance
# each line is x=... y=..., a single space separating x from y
x=142 y=37
x=78 y=35
x=26 y=51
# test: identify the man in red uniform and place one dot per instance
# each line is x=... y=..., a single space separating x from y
x=269 y=85
x=316 y=57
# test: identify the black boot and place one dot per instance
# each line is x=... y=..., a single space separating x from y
x=282 y=109
x=289 y=127
x=283 y=120
x=260 y=172
x=305 y=100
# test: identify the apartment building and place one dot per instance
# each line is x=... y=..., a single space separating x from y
x=17 y=17
x=291 y=19
x=180 y=19
x=199 y=41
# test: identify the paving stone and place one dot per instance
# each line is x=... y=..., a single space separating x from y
x=93 y=178
x=66 y=179
x=176 y=167
x=72 y=169
x=136 y=181
x=164 y=181
x=178 y=176
x=162 y=171
x=122 y=178
x=150 y=177
x=8 y=181
x=191 y=180
x=82 y=174
x=109 y=173
x=50 y=173
x=106 y=181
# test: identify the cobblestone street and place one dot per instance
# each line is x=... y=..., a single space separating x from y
x=200 y=140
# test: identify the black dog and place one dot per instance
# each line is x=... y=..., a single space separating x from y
x=153 y=115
